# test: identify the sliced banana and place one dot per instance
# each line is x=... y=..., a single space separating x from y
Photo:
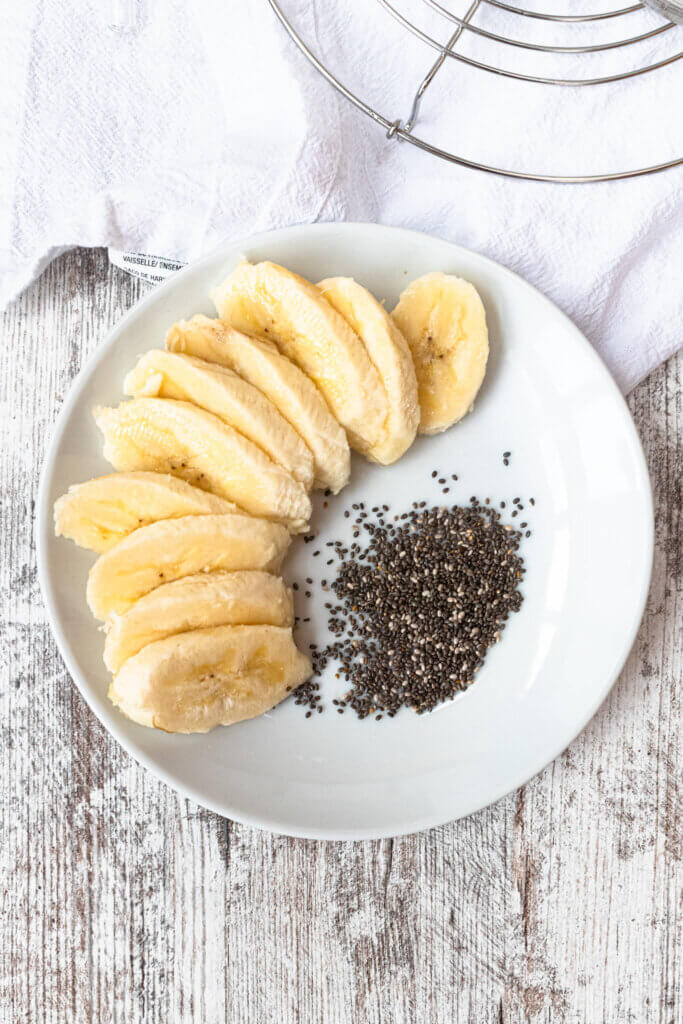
x=164 y=435
x=99 y=513
x=444 y=323
x=390 y=355
x=290 y=390
x=197 y=602
x=195 y=681
x=173 y=548
x=220 y=391
x=272 y=302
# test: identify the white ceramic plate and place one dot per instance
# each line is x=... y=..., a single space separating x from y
x=550 y=401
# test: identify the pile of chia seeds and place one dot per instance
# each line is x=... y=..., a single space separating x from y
x=420 y=598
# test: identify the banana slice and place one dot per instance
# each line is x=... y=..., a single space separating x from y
x=290 y=390
x=172 y=548
x=99 y=513
x=197 y=602
x=390 y=355
x=222 y=392
x=164 y=435
x=444 y=323
x=194 y=681
x=272 y=302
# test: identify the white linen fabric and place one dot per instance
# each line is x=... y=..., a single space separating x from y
x=166 y=128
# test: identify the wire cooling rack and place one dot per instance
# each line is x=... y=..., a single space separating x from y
x=406 y=130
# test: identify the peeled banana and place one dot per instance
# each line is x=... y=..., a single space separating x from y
x=272 y=302
x=223 y=438
x=220 y=391
x=197 y=602
x=389 y=353
x=172 y=548
x=261 y=364
x=165 y=435
x=208 y=677
x=443 y=320
x=99 y=513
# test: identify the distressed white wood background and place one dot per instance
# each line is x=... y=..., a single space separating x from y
x=123 y=902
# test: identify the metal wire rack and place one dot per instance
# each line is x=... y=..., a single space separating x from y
x=404 y=130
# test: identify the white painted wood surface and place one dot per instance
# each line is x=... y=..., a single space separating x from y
x=122 y=902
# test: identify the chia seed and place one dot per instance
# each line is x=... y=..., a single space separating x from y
x=418 y=608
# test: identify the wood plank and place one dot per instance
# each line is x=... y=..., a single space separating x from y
x=122 y=901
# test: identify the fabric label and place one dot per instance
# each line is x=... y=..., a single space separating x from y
x=144 y=265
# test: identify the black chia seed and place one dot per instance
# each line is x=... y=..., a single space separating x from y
x=418 y=608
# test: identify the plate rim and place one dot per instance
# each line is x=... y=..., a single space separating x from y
x=43 y=525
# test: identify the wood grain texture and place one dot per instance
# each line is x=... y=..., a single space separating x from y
x=122 y=902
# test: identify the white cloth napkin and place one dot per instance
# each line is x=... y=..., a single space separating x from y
x=166 y=128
